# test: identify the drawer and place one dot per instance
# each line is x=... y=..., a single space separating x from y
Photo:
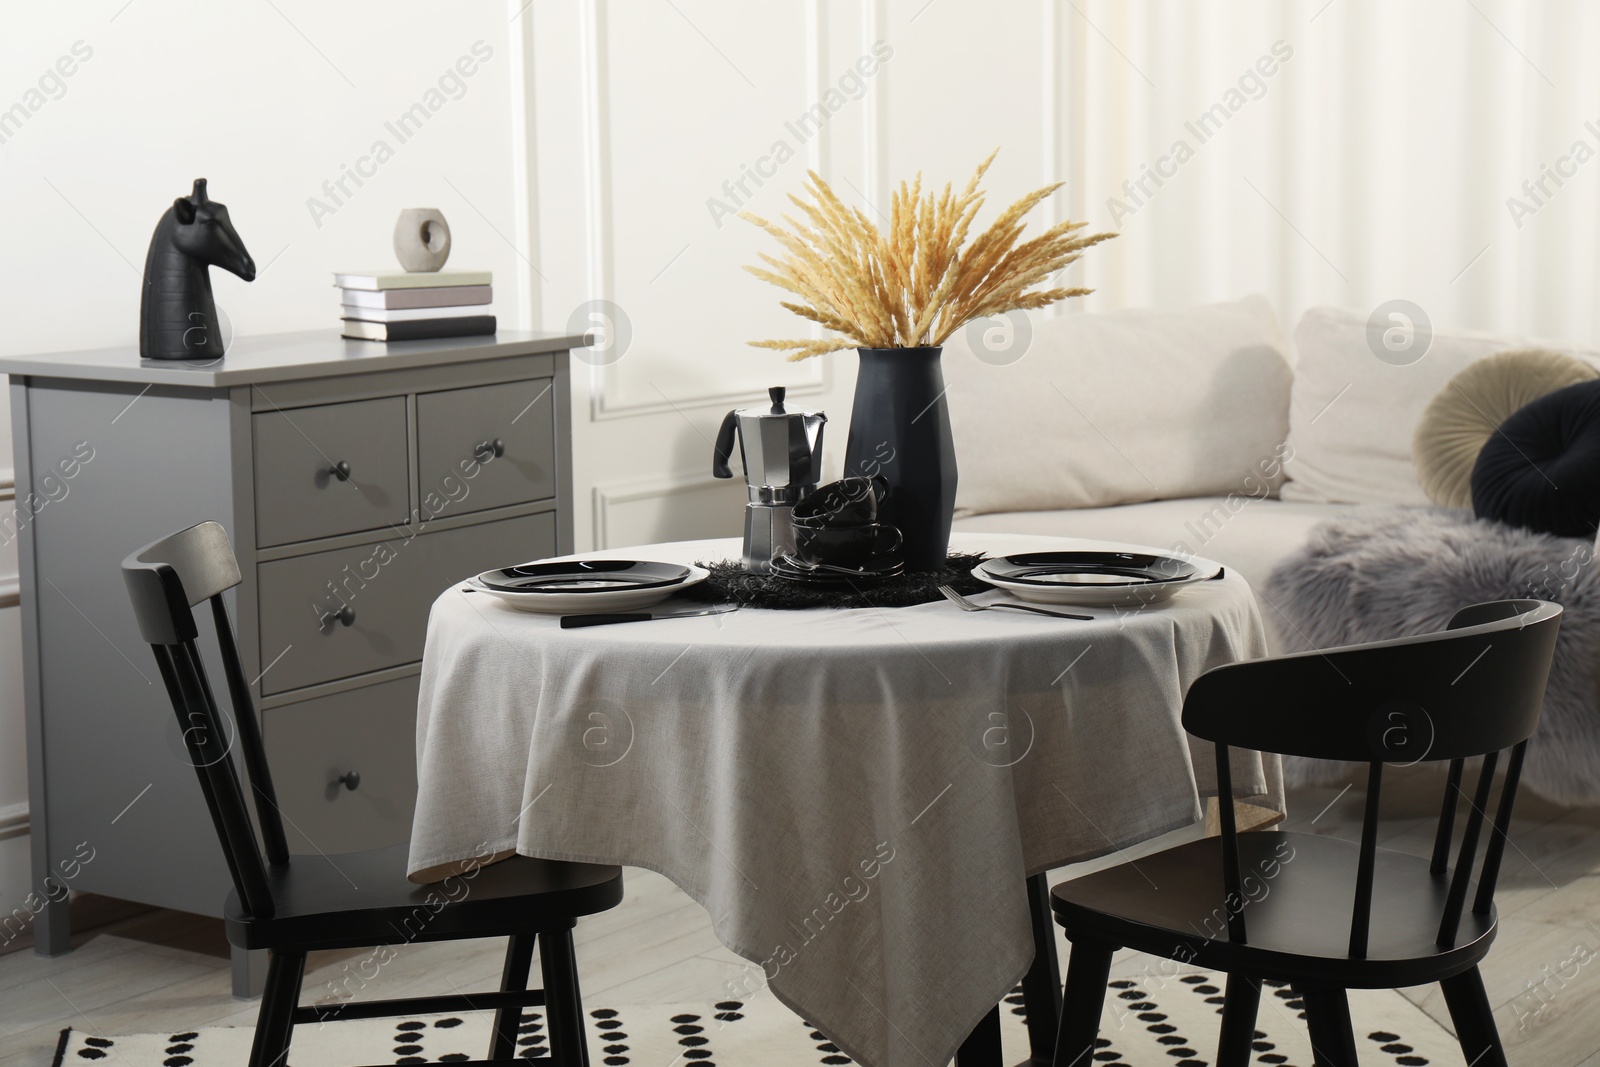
x=485 y=447
x=298 y=495
x=370 y=733
x=334 y=614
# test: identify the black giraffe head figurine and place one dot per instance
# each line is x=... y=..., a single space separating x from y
x=177 y=316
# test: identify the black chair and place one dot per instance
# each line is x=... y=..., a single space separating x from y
x=1327 y=915
x=355 y=900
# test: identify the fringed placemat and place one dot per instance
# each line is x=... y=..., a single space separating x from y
x=730 y=582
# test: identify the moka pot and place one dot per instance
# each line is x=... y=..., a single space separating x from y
x=782 y=454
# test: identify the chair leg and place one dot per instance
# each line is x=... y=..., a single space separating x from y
x=513 y=979
x=1333 y=1038
x=1469 y=1010
x=1083 y=999
x=1041 y=986
x=563 y=1002
x=275 y=1021
x=1238 y=1021
x=982 y=1046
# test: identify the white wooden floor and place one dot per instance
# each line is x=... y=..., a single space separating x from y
x=163 y=971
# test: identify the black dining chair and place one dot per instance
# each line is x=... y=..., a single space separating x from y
x=1322 y=914
x=353 y=900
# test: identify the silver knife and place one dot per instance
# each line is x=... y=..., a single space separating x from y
x=571 y=622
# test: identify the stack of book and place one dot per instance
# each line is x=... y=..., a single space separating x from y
x=416 y=305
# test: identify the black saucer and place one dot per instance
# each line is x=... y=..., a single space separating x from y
x=791 y=569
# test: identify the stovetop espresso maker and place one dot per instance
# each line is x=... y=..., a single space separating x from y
x=782 y=453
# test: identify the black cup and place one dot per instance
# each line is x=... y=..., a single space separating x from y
x=847 y=502
x=845 y=546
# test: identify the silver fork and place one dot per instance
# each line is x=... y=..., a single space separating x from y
x=966 y=605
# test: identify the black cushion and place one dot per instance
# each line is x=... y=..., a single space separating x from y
x=1541 y=469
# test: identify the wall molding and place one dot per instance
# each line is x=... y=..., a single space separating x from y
x=694 y=401
x=595 y=110
x=525 y=169
x=875 y=147
x=10 y=597
x=604 y=497
x=13 y=821
x=594 y=107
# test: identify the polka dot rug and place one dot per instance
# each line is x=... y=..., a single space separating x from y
x=1156 y=1018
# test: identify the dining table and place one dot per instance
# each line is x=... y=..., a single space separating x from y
x=865 y=800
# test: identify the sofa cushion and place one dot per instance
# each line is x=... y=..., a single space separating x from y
x=1119 y=407
x=1352 y=415
x=1249 y=535
x=1467 y=411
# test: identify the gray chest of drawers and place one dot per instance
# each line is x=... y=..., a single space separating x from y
x=357 y=481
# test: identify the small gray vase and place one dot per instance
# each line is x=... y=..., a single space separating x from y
x=422 y=239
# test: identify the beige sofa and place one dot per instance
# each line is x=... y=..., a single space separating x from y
x=1198 y=430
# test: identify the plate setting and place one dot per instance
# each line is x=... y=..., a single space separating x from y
x=1110 y=579
x=567 y=587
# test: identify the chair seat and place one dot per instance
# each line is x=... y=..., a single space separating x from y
x=1300 y=889
x=359 y=899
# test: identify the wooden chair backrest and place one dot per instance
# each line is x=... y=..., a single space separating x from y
x=1473 y=689
x=166 y=580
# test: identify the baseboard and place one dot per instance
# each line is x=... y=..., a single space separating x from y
x=91 y=912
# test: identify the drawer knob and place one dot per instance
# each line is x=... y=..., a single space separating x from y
x=488 y=450
x=351 y=780
x=345 y=616
x=340 y=470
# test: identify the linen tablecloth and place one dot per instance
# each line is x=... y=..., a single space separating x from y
x=855 y=796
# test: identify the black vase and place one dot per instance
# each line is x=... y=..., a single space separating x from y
x=900 y=431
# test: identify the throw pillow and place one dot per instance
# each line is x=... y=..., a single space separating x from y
x=1458 y=421
x=1352 y=414
x=1100 y=409
x=1541 y=471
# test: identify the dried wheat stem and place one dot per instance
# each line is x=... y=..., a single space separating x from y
x=917 y=281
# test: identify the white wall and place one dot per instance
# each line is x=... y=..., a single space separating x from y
x=1375 y=162
x=652 y=121
x=639 y=120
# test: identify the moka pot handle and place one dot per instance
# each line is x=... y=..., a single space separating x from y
x=722 y=451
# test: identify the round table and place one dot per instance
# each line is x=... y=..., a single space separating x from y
x=856 y=796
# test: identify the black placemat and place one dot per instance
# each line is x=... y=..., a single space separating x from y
x=730 y=582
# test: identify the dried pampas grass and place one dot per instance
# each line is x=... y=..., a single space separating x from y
x=919 y=282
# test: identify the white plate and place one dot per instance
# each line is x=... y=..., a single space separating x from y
x=1093 y=595
x=589 y=602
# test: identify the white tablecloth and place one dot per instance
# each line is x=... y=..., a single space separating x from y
x=855 y=796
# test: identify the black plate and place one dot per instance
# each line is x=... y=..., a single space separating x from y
x=1091 y=568
x=584 y=576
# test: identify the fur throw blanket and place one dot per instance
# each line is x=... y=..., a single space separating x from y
x=1383 y=572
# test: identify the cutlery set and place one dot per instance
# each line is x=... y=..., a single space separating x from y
x=967 y=605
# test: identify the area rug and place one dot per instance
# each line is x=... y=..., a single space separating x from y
x=1161 y=1017
x=1383 y=572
